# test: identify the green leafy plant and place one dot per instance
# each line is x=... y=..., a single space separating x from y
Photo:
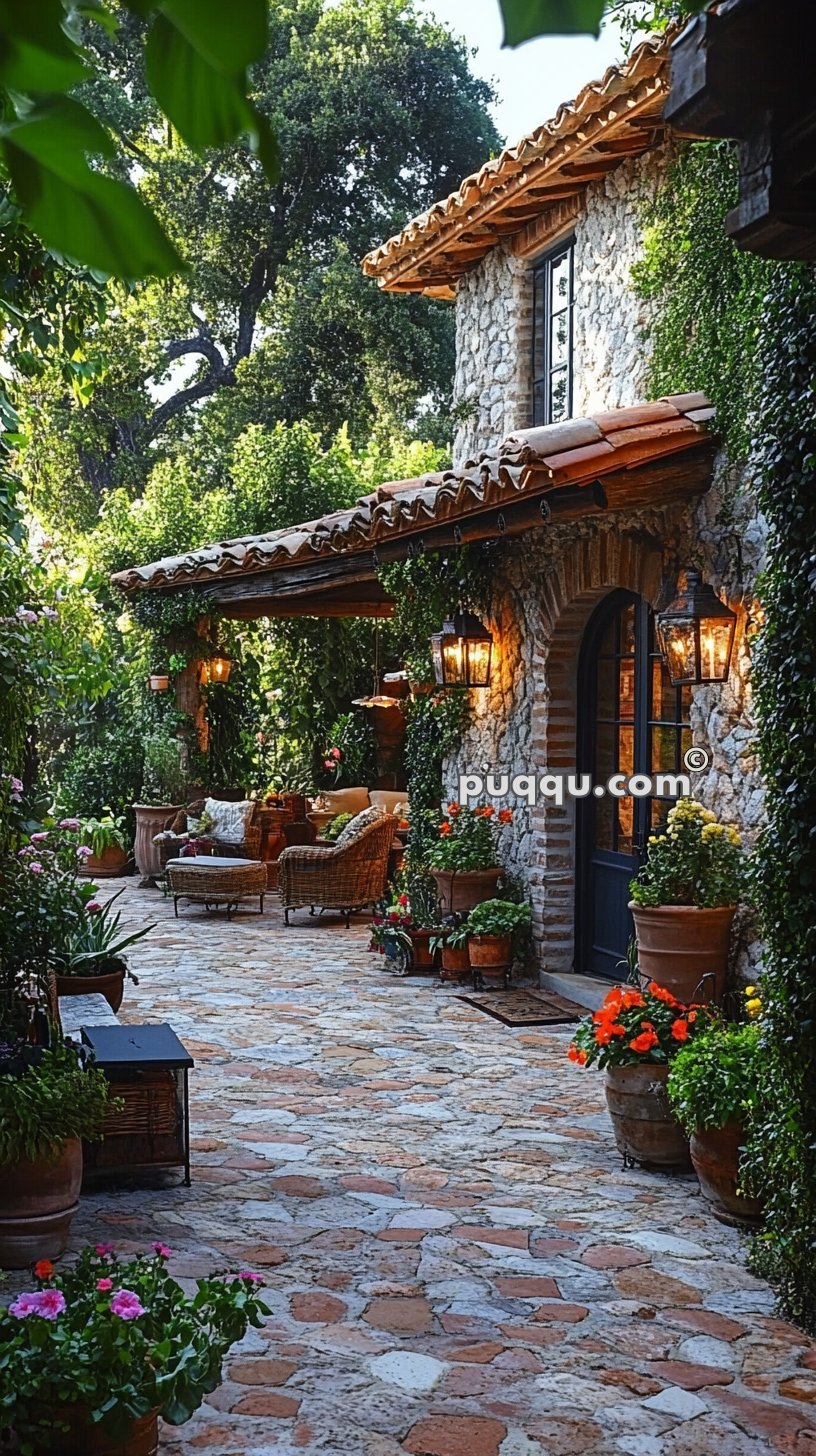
x=456 y=938
x=164 y=778
x=693 y=860
x=498 y=917
x=120 y=1338
x=635 y=1026
x=105 y=833
x=716 y=1079
x=467 y=838
x=97 y=941
x=336 y=826
x=48 y=1104
x=391 y=924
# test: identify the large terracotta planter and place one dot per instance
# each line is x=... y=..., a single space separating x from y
x=110 y=984
x=460 y=890
x=491 y=957
x=37 y=1202
x=684 y=949
x=421 y=954
x=646 y=1130
x=84 y=1438
x=455 y=963
x=105 y=866
x=151 y=819
x=715 y=1156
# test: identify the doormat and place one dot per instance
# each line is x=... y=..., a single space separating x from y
x=526 y=1008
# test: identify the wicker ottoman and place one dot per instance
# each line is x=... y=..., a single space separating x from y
x=214 y=880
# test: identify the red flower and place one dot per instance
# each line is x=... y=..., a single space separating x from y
x=335 y=753
x=444 y=829
x=644 y=1042
x=680 y=1029
x=505 y=816
x=661 y=994
x=403 y=900
x=577 y=1054
x=43 y=1269
x=488 y=811
x=454 y=809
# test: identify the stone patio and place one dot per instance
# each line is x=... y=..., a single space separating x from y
x=458 y=1265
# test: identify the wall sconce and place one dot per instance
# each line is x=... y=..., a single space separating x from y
x=462 y=652
x=696 y=634
x=217 y=669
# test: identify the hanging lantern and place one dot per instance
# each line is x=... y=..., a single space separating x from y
x=696 y=634
x=462 y=652
x=377 y=699
x=218 y=668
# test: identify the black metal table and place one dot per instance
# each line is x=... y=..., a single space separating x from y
x=133 y=1059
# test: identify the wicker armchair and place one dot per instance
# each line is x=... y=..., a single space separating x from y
x=345 y=876
x=170 y=843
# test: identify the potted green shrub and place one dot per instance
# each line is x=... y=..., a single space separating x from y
x=463 y=859
x=49 y=1102
x=94 y=1355
x=91 y=959
x=634 y=1037
x=164 y=791
x=684 y=900
x=107 y=840
x=713 y=1087
x=335 y=826
x=424 y=923
x=494 y=927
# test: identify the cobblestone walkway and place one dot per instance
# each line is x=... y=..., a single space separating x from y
x=457 y=1263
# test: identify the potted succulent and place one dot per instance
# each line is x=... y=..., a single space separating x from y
x=493 y=928
x=452 y=946
x=684 y=900
x=49 y=1102
x=463 y=860
x=713 y=1088
x=91 y=960
x=108 y=842
x=634 y=1037
x=93 y=1356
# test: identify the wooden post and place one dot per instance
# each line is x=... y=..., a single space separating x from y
x=189 y=700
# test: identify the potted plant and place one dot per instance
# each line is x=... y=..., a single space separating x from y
x=108 y=842
x=634 y=1037
x=390 y=932
x=49 y=1102
x=463 y=860
x=684 y=900
x=452 y=946
x=164 y=790
x=493 y=928
x=424 y=927
x=91 y=959
x=713 y=1088
x=158 y=681
x=93 y=1356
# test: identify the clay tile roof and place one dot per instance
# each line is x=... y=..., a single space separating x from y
x=528 y=463
x=616 y=117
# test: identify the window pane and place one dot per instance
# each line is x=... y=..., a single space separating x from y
x=559 y=396
x=540 y=402
x=664 y=749
x=539 y=324
x=560 y=276
x=559 y=339
x=627 y=636
x=626 y=687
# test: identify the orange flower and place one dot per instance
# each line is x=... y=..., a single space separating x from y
x=680 y=1029
x=454 y=809
x=43 y=1269
x=577 y=1054
x=444 y=829
x=692 y=1016
x=630 y=999
x=661 y=994
x=505 y=816
x=644 y=1042
x=488 y=811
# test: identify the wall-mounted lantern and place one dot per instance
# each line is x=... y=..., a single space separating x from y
x=696 y=634
x=217 y=669
x=462 y=652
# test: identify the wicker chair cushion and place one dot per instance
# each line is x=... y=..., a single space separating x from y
x=357 y=827
x=391 y=801
x=230 y=821
x=346 y=801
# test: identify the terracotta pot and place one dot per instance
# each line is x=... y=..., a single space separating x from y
x=109 y=983
x=490 y=950
x=112 y=861
x=158 y=682
x=455 y=963
x=151 y=819
x=85 y=1438
x=646 y=1130
x=460 y=890
x=422 y=955
x=715 y=1156
x=38 y=1199
x=684 y=949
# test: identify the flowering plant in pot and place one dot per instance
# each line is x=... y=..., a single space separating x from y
x=463 y=859
x=107 y=840
x=451 y=944
x=49 y=1101
x=714 y=1089
x=495 y=928
x=91 y=959
x=390 y=926
x=93 y=1356
x=634 y=1037
x=684 y=899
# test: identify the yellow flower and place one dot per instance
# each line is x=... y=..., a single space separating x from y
x=750 y=990
x=754 y=1006
x=734 y=837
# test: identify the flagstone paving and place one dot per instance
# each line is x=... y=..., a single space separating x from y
x=457 y=1263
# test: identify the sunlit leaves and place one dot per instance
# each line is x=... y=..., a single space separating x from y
x=525 y=19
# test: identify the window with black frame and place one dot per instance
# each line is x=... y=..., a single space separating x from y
x=553 y=305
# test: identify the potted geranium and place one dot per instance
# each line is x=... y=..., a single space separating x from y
x=634 y=1037
x=714 y=1089
x=463 y=860
x=107 y=841
x=493 y=929
x=390 y=927
x=91 y=958
x=49 y=1102
x=93 y=1356
x=684 y=900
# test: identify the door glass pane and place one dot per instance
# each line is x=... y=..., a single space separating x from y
x=560 y=272
x=559 y=339
x=627 y=630
x=605 y=824
x=605 y=751
x=664 y=748
x=607 y=689
x=626 y=750
x=626 y=813
x=559 y=392
x=626 y=689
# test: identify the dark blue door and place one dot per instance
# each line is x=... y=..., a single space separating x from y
x=630 y=721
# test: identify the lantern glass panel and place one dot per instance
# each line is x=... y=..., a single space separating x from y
x=479 y=651
x=678 y=643
x=716 y=636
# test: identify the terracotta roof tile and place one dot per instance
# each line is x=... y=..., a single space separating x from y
x=529 y=462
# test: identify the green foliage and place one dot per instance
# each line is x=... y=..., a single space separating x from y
x=693 y=860
x=105 y=833
x=353 y=734
x=137 y=1344
x=716 y=1079
x=435 y=724
x=93 y=775
x=336 y=826
x=466 y=840
x=708 y=294
x=782 y=1148
x=98 y=940
x=427 y=589
x=165 y=781
x=51 y=1102
x=526 y=19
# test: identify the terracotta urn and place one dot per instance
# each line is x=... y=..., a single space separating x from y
x=458 y=891
x=646 y=1130
x=38 y=1199
x=491 y=957
x=715 y=1155
x=151 y=819
x=84 y=1437
x=684 y=948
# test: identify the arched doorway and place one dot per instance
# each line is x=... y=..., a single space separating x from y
x=630 y=721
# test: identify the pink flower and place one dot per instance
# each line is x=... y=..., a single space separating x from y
x=250 y=1276
x=335 y=753
x=16 y=785
x=126 y=1305
x=35 y=867
x=40 y=836
x=23 y=1306
x=103 y=1285
x=328 y=763
x=72 y=824
x=47 y=1303
x=93 y=907
x=83 y=851
x=162 y=1251
x=103 y=1249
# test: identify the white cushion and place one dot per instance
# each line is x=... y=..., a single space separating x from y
x=231 y=821
x=392 y=801
x=345 y=801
